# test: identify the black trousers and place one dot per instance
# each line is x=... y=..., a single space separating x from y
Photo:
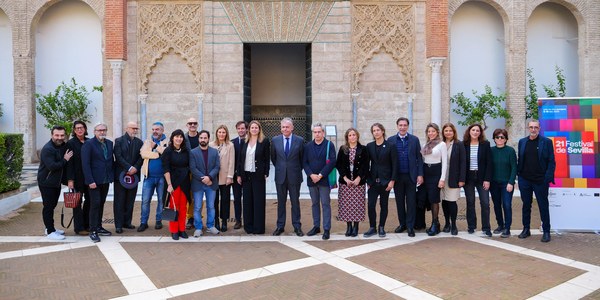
x=282 y=192
x=237 y=200
x=49 y=201
x=377 y=190
x=81 y=213
x=223 y=196
x=406 y=200
x=97 y=197
x=254 y=188
x=123 y=205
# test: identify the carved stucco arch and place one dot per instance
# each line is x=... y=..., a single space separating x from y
x=387 y=27
x=162 y=28
x=7 y=9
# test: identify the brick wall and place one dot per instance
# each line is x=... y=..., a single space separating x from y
x=437 y=28
x=115 y=30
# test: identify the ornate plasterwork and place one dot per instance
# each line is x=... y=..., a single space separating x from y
x=387 y=27
x=162 y=27
x=277 y=21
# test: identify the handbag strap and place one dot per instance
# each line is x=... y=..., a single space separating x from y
x=62 y=218
x=171 y=198
x=327 y=150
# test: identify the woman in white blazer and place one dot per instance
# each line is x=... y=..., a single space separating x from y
x=227 y=156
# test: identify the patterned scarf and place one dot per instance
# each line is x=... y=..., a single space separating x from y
x=428 y=148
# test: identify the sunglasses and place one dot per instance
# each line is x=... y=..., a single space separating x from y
x=499 y=137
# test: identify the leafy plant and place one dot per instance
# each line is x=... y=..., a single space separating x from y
x=65 y=105
x=1 y=111
x=11 y=161
x=484 y=107
x=531 y=100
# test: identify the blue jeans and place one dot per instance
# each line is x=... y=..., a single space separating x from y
x=320 y=197
x=151 y=184
x=527 y=189
x=502 y=203
x=210 y=206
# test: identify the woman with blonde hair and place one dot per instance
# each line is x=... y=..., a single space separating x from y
x=253 y=168
x=435 y=163
x=455 y=176
x=226 y=172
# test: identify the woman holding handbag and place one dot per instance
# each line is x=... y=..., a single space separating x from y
x=176 y=167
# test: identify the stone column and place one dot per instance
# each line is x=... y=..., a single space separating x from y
x=355 y=96
x=117 y=95
x=409 y=113
x=24 y=97
x=436 y=89
x=142 y=99
x=200 y=111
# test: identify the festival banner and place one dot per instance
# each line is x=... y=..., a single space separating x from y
x=572 y=124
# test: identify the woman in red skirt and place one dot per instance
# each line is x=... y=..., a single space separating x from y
x=176 y=162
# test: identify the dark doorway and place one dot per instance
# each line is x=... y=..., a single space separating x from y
x=278 y=84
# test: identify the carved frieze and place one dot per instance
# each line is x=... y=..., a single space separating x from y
x=384 y=27
x=162 y=27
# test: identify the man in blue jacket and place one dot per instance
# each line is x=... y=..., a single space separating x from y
x=204 y=165
x=97 y=163
x=51 y=174
x=318 y=162
x=535 y=167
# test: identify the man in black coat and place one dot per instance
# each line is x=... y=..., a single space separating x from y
x=51 y=174
x=241 y=127
x=129 y=161
x=97 y=163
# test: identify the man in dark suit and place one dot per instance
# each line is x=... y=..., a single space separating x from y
x=204 y=165
x=128 y=160
x=286 y=154
x=97 y=163
x=535 y=167
x=410 y=175
x=241 y=127
x=382 y=173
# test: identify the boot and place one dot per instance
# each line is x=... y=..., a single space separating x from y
x=355 y=229
x=434 y=229
x=454 y=229
x=446 y=228
x=223 y=225
x=446 y=210
x=453 y=207
x=348 y=229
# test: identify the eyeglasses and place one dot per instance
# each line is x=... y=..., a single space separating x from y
x=192 y=123
x=101 y=130
x=499 y=137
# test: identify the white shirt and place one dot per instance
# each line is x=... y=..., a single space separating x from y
x=249 y=163
x=439 y=154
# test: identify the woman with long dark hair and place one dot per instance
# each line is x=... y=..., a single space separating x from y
x=253 y=165
x=81 y=213
x=456 y=174
x=479 y=175
x=176 y=167
x=353 y=166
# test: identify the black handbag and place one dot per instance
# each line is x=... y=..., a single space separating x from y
x=170 y=214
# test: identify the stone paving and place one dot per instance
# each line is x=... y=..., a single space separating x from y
x=150 y=265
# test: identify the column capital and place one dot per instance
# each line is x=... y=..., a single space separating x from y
x=200 y=97
x=143 y=98
x=116 y=64
x=435 y=63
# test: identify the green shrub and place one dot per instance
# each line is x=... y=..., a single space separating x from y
x=11 y=162
x=485 y=106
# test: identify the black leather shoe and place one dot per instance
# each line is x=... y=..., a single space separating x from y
x=400 y=229
x=498 y=230
x=278 y=231
x=130 y=226
x=298 y=231
x=546 y=237
x=119 y=230
x=371 y=232
x=505 y=233
x=355 y=229
x=237 y=225
x=454 y=230
x=348 y=229
x=313 y=231
x=175 y=236
x=142 y=227
x=488 y=233
x=190 y=223
x=381 y=231
x=411 y=232
x=525 y=233
x=103 y=232
x=326 y=235
x=446 y=228
x=471 y=231
x=223 y=226
x=158 y=225
x=183 y=234
x=94 y=236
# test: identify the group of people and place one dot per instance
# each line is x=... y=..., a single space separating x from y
x=188 y=171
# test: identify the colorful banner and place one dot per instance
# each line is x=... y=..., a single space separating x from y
x=572 y=124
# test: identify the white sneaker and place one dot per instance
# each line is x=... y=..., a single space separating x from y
x=56 y=236
x=61 y=232
x=213 y=230
x=198 y=233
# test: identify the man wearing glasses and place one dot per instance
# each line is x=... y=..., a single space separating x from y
x=97 y=163
x=535 y=168
x=129 y=162
x=191 y=141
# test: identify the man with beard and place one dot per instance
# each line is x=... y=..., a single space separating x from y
x=97 y=163
x=128 y=161
x=51 y=174
x=204 y=165
x=153 y=174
